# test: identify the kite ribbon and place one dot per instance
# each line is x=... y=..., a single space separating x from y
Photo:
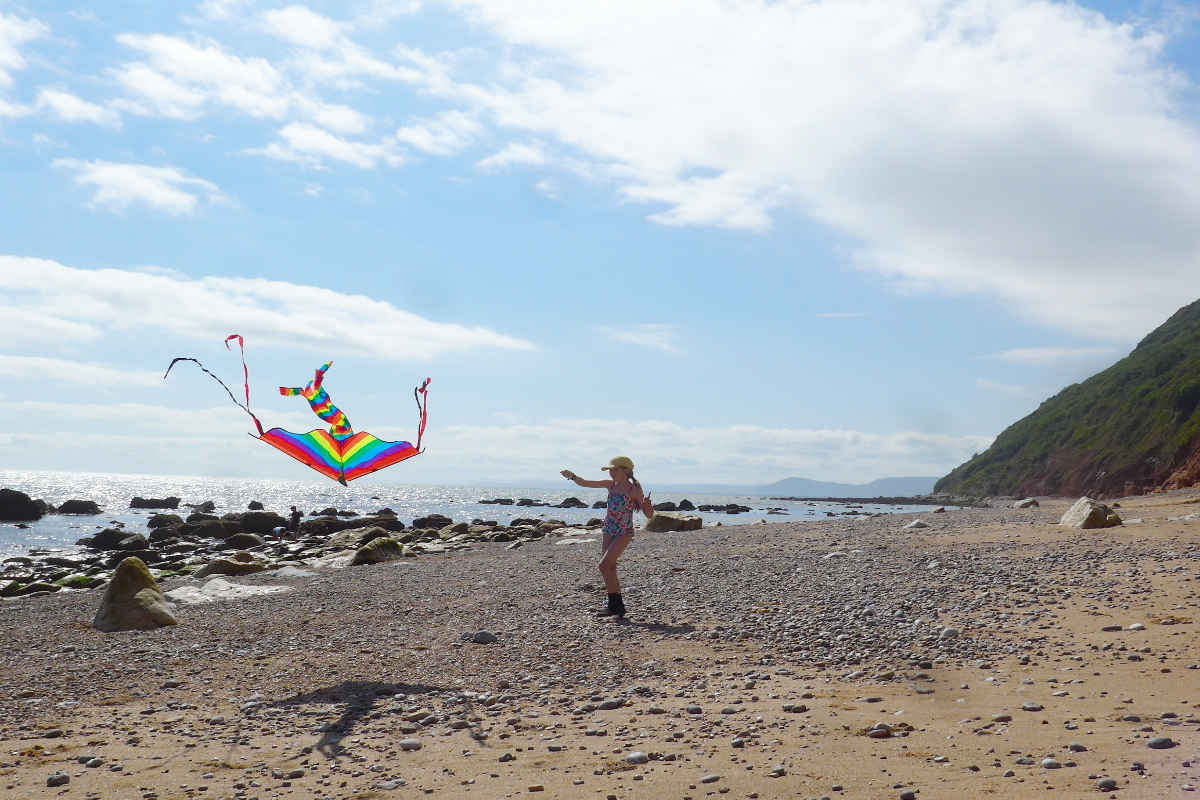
x=421 y=394
x=245 y=375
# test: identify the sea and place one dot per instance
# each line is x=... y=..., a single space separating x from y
x=112 y=492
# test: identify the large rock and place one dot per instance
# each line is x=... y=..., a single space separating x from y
x=673 y=522
x=144 y=502
x=132 y=601
x=108 y=539
x=432 y=521
x=243 y=541
x=327 y=526
x=19 y=507
x=1087 y=513
x=1028 y=502
x=79 y=507
x=377 y=551
x=229 y=566
x=354 y=538
x=164 y=521
x=259 y=521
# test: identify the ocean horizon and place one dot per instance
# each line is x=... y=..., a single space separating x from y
x=114 y=491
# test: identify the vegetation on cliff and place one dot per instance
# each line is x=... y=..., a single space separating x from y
x=1134 y=426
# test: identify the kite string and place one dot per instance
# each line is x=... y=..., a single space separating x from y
x=421 y=394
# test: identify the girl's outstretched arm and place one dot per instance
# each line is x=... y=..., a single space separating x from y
x=571 y=476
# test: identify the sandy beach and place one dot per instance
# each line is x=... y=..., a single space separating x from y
x=990 y=654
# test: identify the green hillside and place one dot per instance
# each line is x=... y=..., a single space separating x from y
x=1127 y=428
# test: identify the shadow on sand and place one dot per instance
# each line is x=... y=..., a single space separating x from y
x=359 y=697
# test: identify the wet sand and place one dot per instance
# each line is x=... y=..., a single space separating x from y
x=754 y=664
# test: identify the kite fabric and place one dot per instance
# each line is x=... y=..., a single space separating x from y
x=338 y=453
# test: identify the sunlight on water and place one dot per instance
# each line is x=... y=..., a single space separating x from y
x=460 y=503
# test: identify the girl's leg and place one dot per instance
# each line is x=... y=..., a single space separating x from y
x=608 y=564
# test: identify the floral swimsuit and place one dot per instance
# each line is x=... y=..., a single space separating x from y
x=619 y=520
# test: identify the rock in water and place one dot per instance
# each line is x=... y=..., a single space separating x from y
x=377 y=551
x=19 y=507
x=133 y=601
x=673 y=522
x=79 y=507
x=151 y=502
x=1087 y=513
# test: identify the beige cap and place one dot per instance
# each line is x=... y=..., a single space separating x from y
x=620 y=461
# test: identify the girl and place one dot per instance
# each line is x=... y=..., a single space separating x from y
x=624 y=495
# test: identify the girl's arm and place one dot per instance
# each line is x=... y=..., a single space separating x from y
x=571 y=476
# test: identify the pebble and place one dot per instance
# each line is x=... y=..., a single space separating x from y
x=1137 y=626
x=1031 y=707
x=710 y=779
x=1161 y=743
x=909 y=795
x=58 y=779
x=410 y=744
x=1050 y=763
x=1107 y=784
x=387 y=786
x=637 y=757
x=778 y=772
x=695 y=710
x=483 y=637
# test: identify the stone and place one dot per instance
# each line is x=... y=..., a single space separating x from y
x=244 y=541
x=144 y=502
x=1161 y=743
x=18 y=507
x=710 y=779
x=132 y=601
x=410 y=744
x=378 y=551
x=1028 y=502
x=1087 y=513
x=661 y=523
x=916 y=523
x=352 y=538
x=58 y=779
x=229 y=566
x=436 y=521
x=484 y=637
x=1031 y=707
x=79 y=507
x=165 y=521
x=1050 y=763
x=260 y=521
x=1107 y=784
x=254 y=505
x=637 y=757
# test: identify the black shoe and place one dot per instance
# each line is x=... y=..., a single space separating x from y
x=616 y=607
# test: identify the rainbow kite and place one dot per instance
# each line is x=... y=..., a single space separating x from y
x=338 y=453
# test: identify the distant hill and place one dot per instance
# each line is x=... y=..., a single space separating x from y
x=1133 y=427
x=883 y=487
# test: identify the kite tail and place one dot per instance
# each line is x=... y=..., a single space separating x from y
x=421 y=394
x=244 y=407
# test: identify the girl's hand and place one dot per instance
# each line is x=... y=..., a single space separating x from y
x=566 y=473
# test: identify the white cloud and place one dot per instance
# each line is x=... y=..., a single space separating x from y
x=222 y=9
x=655 y=336
x=20 y=326
x=13 y=110
x=313 y=189
x=336 y=117
x=669 y=452
x=308 y=144
x=514 y=154
x=1016 y=148
x=1046 y=356
x=207 y=309
x=547 y=188
x=1004 y=388
x=69 y=108
x=304 y=27
x=444 y=135
x=179 y=79
x=118 y=186
x=86 y=373
x=14 y=33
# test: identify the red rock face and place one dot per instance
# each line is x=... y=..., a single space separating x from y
x=1188 y=474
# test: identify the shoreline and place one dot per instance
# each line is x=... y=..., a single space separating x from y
x=326 y=682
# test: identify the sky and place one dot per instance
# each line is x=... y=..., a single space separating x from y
x=735 y=240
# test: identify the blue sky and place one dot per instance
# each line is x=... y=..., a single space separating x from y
x=735 y=241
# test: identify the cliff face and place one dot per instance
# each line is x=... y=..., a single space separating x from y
x=1133 y=427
